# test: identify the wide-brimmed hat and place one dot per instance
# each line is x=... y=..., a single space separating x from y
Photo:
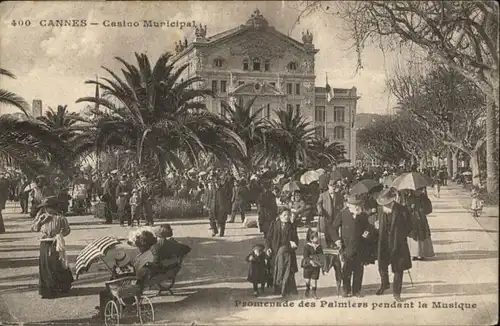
x=51 y=201
x=40 y=177
x=387 y=196
x=354 y=199
x=122 y=259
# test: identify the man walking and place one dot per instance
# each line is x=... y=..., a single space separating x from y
x=214 y=206
x=355 y=229
x=238 y=200
x=267 y=208
x=394 y=225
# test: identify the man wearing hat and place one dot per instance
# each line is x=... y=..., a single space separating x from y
x=109 y=196
x=215 y=207
x=328 y=206
x=355 y=230
x=394 y=225
x=267 y=209
x=4 y=195
x=238 y=198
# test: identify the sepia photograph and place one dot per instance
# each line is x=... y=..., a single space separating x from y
x=249 y=163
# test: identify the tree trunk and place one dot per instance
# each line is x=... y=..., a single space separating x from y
x=455 y=162
x=2 y=226
x=423 y=162
x=474 y=165
x=449 y=163
x=491 y=148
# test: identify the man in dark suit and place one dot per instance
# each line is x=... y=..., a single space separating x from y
x=394 y=225
x=238 y=197
x=353 y=239
x=329 y=205
x=267 y=209
x=215 y=206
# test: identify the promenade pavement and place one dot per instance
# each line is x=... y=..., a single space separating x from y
x=212 y=286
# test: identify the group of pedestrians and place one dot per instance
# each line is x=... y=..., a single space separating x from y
x=352 y=231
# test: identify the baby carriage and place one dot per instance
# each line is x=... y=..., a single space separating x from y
x=127 y=295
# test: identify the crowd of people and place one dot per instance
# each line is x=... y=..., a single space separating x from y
x=345 y=230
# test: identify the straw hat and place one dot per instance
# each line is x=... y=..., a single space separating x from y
x=122 y=259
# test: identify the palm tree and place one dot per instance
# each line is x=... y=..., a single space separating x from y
x=250 y=127
x=153 y=113
x=65 y=125
x=10 y=98
x=290 y=138
x=27 y=144
x=324 y=154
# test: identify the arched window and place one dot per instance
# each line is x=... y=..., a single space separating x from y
x=245 y=64
x=339 y=133
x=292 y=66
x=218 y=63
x=256 y=64
x=339 y=114
x=267 y=65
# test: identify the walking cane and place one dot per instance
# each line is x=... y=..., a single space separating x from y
x=409 y=274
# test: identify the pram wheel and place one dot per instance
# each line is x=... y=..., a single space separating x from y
x=111 y=314
x=146 y=311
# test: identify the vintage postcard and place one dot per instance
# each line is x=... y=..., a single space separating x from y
x=249 y=163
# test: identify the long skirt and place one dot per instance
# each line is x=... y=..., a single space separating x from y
x=421 y=248
x=54 y=278
x=284 y=273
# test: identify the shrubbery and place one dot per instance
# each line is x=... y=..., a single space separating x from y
x=174 y=208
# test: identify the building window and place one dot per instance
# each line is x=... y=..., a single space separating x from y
x=256 y=65
x=339 y=133
x=320 y=114
x=214 y=86
x=292 y=66
x=266 y=65
x=289 y=107
x=241 y=83
x=297 y=89
x=289 y=88
x=245 y=64
x=273 y=84
x=218 y=63
x=223 y=86
x=339 y=114
x=268 y=111
x=320 y=131
x=297 y=106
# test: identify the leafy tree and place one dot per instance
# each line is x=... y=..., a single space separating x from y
x=157 y=116
x=463 y=35
x=451 y=107
x=325 y=153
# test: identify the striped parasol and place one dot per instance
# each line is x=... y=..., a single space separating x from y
x=93 y=252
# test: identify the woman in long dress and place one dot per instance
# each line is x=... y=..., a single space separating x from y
x=55 y=277
x=420 y=206
x=281 y=243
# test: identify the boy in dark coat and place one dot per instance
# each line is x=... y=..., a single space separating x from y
x=257 y=268
x=394 y=226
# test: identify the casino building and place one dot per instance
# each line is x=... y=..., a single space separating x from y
x=256 y=60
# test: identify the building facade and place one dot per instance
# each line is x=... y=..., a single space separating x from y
x=255 y=61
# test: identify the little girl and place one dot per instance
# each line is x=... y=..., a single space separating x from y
x=257 y=269
x=134 y=209
x=311 y=262
x=477 y=204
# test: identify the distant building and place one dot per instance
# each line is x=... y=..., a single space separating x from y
x=36 y=109
x=256 y=60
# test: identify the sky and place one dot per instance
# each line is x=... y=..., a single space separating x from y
x=52 y=63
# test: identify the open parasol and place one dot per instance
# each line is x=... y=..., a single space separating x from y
x=412 y=180
x=309 y=177
x=93 y=252
x=365 y=186
x=388 y=180
x=291 y=187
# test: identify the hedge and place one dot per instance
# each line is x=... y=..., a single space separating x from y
x=175 y=208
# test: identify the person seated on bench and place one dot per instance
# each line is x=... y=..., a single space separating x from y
x=167 y=252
